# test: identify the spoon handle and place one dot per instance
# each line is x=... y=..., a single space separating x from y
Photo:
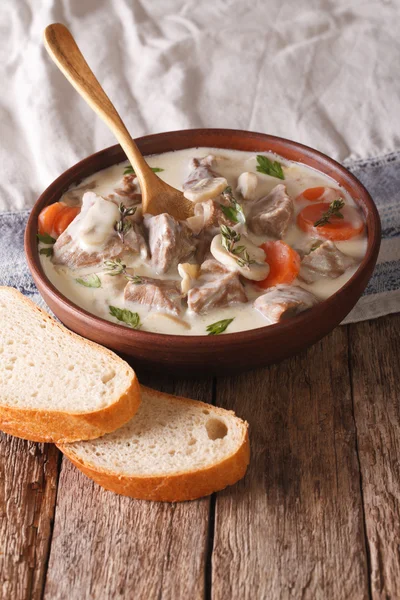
x=63 y=49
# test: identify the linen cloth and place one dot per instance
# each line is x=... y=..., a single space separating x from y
x=322 y=72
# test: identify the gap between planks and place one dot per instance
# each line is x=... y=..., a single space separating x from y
x=293 y=528
x=105 y=545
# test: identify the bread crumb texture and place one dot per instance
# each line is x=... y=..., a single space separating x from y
x=166 y=436
x=43 y=366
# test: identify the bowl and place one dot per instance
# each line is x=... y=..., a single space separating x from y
x=230 y=352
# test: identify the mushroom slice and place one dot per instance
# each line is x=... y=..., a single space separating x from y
x=188 y=272
x=256 y=271
x=205 y=189
x=247 y=185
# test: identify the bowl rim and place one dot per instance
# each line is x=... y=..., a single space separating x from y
x=257 y=334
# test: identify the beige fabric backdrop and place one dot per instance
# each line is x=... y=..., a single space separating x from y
x=323 y=72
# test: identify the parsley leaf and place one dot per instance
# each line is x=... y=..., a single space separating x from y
x=90 y=281
x=218 y=327
x=45 y=238
x=126 y=316
x=269 y=167
x=130 y=170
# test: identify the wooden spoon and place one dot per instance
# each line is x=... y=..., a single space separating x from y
x=157 y=196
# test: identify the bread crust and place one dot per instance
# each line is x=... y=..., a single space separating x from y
x=63 y=426
x=180 y=486
x=59 y=427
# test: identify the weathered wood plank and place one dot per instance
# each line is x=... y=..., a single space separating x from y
x=28 y=484
x=108 y=546
x=293 y=528
x=375 y=361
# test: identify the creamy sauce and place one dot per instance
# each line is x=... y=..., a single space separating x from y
x=175 y=167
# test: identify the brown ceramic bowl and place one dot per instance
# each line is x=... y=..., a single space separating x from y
x=230 y=352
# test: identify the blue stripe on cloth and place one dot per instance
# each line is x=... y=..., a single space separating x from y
x=386 y=278
x=380 y=176
x=14 y=271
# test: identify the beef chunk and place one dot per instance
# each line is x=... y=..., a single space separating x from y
x=213 y=268
x=129 y=192
x=200 y=169
x=325 y=261
x=94 y=228
x=67 y=252
x=272 y=214
x=284 y=301
x=203 y=241
x=216 y=288
x=157 y=294
x=170 y=241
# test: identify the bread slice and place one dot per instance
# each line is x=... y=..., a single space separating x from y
x=174 y=449
x=54 y=385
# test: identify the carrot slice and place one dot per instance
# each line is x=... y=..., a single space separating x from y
x=284 y=264
x=47 y=216
x=313 y=193
x=64 y=218
x=321 y=193
x=337 y=229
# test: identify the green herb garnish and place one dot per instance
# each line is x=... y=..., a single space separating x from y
x=90 y=281
x=234 y=212
x=126 y=316
x=269 y=167
x=121 y=226
x=218 y=327
x=45 y=238
x=230 y=237
x=130 y=170
x=117 y=267
x=136 y=279
x=46 y=251
x=243 y=259
x=333 y=211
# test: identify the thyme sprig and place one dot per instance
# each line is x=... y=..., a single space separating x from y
x=122 y=226
x=218 y=327
x=117 y=267
x=230 y=237
x=234 y=212
x=333 y=211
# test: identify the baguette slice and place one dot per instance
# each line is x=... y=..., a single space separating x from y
x=174 y=449
x=54 y=385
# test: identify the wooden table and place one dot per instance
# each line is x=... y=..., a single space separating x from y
x=316 y=517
